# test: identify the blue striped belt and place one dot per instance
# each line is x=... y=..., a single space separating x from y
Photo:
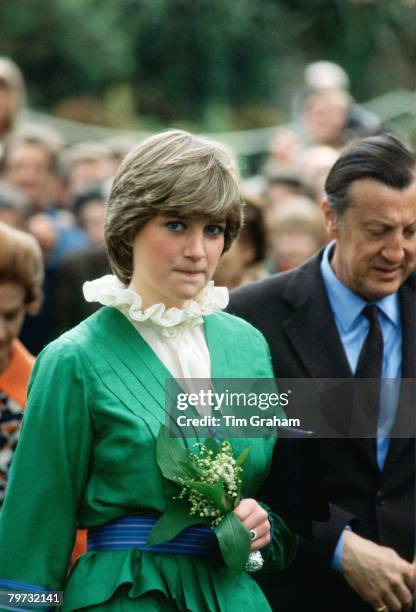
x=133 y=531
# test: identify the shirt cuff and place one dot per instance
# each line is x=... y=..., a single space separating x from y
x=337 y=557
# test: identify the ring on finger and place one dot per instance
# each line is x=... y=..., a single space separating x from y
x=381 y=609
x=253 y=534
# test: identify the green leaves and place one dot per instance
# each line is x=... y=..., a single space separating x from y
x=214 y=492
x=241 y=462
x=242 y=459
x=171 y=457
x=173 y=521
x=234 y=542
x=212 y=482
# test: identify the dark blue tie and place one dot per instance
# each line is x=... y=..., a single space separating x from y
x=370 y=364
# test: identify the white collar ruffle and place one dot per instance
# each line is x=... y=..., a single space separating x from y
x=110 y=291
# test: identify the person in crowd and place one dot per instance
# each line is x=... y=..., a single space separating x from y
x=12 y=97
x=244 y=260
x=98 y=391
x=282 y=183
x=284 y=147
x=313 y=164
x=21 y=274
x=82 y=164
x=322 y=76
x=89 y=206
x=119 y=146
x=29 y=163
x=295 y=233
x=325 y=115
x=14 y=207
x=350 y=311
x=70 y=307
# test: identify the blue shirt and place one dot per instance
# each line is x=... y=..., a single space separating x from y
x=353 y=327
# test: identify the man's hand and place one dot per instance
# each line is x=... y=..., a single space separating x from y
x=377 y=573
x=255 y=518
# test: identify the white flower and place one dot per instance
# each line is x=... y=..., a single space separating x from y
x=255 y=562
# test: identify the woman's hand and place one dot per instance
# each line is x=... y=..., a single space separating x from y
x=255 y=518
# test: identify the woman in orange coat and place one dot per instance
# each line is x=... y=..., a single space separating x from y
x=21 y=276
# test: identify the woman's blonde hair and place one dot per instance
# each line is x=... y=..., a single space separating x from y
x=21 y=262
x=172 y=173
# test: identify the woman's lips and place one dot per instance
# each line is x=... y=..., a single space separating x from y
x=190 y=272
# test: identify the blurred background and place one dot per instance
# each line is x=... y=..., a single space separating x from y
x=206 y=65
x=285 y=83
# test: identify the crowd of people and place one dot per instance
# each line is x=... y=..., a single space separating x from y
x=329 y=233
x=58 y=194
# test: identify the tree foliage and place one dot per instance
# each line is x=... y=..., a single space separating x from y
x=206 y=62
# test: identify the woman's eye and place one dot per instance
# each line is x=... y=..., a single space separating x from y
x=214 y=230
x=175 y=226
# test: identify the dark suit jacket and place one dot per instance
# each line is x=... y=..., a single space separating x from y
x=293 y=312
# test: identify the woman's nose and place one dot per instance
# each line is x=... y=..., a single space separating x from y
x=195 y=245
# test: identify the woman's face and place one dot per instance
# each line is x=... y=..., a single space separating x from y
x=12 y=313
x=173 y=259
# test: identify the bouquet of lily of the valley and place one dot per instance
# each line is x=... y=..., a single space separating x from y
x=209 y=483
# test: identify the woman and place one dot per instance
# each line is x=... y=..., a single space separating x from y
x=21 y=274
x=99 y=389
x=21 y=277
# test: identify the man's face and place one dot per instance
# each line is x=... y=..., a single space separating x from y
x=375 y=247
x=28 y=169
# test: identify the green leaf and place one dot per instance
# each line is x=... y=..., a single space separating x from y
x=173 y=521
x=213 y=492
x=169 y=456
x=190 y=468
x=241 y=462
x=242 y=459
x=234 y=541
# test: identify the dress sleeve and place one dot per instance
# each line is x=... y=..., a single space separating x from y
x=48 y=473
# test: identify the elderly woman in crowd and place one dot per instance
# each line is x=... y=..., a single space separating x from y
x=97 y=402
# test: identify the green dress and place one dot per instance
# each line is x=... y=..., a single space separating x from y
x=86 y=457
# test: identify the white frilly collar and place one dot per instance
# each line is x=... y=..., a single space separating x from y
x=110 y=291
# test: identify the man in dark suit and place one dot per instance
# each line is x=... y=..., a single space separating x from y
x=363 y=557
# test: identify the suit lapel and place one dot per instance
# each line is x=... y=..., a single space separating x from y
x=313 y=334
x=406 y=412
x=312 y=330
